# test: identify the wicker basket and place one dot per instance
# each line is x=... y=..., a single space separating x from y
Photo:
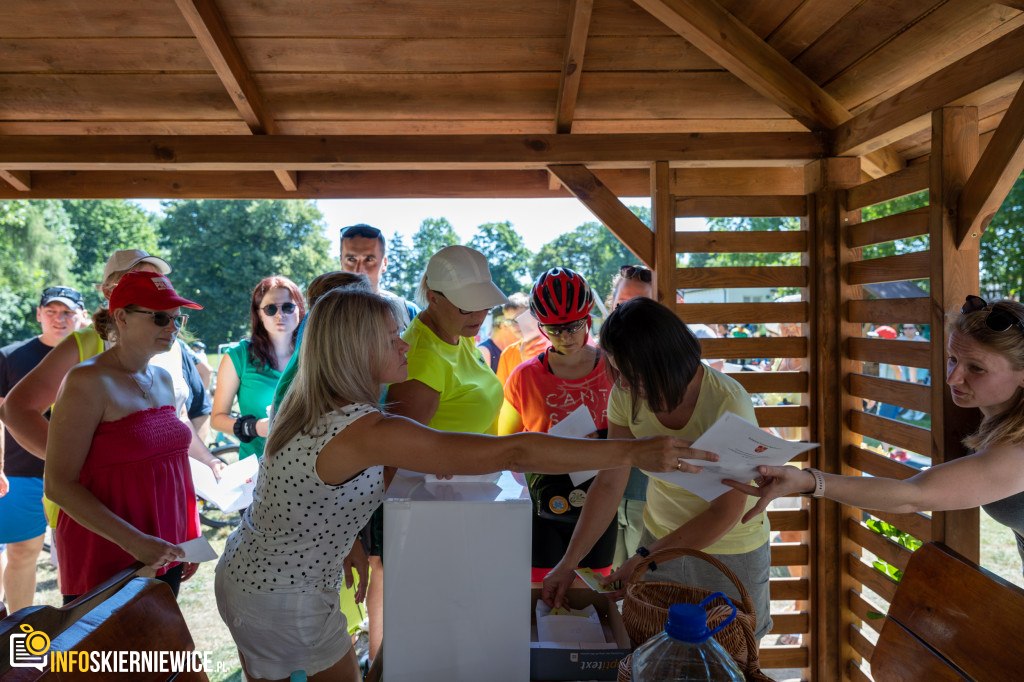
x=626 y=669
x=645 y=610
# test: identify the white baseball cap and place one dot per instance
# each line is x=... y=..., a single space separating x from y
x=126 y=259
x=462 y=275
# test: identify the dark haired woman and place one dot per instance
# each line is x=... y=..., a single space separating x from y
x=543 y=391
x=662 y=388
x=252 y=368
x=984 y=369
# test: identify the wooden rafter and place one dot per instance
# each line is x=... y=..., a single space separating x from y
x=208 y=25
x=393 y=152
x=607 y=208
x=721 y=36
x=909 y=111
x=572 y=63
x=19 y=180
x=993 y=177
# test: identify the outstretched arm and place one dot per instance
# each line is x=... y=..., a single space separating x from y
x=963 y=483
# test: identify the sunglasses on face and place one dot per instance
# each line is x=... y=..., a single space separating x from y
x=635 y=272
x=564 y=329
x=365 y=231
x=162 y=319
x=998 y=320
x=271 y=309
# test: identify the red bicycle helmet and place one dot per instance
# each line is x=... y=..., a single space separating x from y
x=560 y=295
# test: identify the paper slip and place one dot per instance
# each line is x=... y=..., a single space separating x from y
x=741 y=448
x=578 y=424
x=593 y=580
x=198 y=550
x=234 y=490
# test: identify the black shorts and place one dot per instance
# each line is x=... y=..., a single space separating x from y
x=551 y=539
x=372 y=534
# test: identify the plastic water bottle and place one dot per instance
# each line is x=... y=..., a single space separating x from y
x=685 y=651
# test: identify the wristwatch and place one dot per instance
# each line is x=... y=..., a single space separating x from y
x=819 y=483
x=643 y=552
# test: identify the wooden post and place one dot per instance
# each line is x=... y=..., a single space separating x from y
x=663 y=220
x=954 y=274
x=826 y=182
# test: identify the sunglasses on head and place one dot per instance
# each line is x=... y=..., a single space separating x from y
x=162 y=319
x=271 y=309
x=998 y=320
x=566 y=329
x=62 y=292
x=365 y=231
x=635 y=272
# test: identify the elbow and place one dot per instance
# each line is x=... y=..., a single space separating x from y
x=54 y=491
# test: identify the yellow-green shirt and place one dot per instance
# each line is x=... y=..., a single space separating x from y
x=471 y=394
x=669 y=506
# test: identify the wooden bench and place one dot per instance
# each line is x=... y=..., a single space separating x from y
x=126 y=613
x=950 y=620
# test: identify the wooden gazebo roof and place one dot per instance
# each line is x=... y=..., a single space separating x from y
x=349 y=98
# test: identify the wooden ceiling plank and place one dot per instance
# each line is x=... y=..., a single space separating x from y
x=355 y=152
x=909 y=111
x=572 y=63
x=607 y=208
x=991 y=180
x=807 y=24
x=19 y=180
x=206 y=22
x=722 y=37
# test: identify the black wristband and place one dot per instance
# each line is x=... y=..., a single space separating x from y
x=643 y=551
x=245 y=428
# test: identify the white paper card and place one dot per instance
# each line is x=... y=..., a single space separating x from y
x=198 y=550
x=583 y=626
x=577 y=424
x=741 y=448
x=234 y=490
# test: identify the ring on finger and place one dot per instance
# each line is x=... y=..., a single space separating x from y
x=679 y=465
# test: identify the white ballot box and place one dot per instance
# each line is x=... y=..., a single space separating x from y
x=457 y=587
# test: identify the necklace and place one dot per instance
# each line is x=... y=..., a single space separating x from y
x=144 y=391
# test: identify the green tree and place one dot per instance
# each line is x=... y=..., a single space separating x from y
x=398 y=274
x=101 y=227
x=220 y=250
x=433 y=235
x=35 y=253
x=506 y=253
x=592 y=250
x=713 y=260
x=1002 y=247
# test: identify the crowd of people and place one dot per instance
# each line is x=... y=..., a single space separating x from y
x=336 y=389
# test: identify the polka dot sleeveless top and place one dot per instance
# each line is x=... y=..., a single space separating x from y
x=298 y=530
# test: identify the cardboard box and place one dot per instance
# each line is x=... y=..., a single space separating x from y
x=580 y=664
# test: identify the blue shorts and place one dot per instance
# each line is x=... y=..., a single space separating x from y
x=21 y=510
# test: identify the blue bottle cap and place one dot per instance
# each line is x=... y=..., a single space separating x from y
x=687 y=623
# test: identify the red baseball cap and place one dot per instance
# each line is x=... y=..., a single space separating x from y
x=149 y=290
x=886 y=332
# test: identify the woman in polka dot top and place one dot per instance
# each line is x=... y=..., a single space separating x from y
x=323 y=475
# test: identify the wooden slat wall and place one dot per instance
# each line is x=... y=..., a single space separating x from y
x=779 y=194
x=950 y=273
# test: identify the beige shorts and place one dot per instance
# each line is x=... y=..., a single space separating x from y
x=279 y=634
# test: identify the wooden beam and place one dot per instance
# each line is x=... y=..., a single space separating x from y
x=208 y=25
x=908 y=112
x=729 y=42
x=572 y=64
x=19 y=180
x=607 y=208
x=663 y=222
x=391 y=152
x=993 y=177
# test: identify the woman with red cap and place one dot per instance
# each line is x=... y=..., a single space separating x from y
x=545 y=390
x=125 y=490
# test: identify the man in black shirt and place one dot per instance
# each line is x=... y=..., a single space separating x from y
x=22 y=521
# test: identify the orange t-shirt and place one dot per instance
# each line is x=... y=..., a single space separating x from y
x=543 y=400
x=518 y=353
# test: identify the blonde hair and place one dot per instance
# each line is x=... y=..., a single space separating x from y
x=1007 y=427
x=345 y=343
